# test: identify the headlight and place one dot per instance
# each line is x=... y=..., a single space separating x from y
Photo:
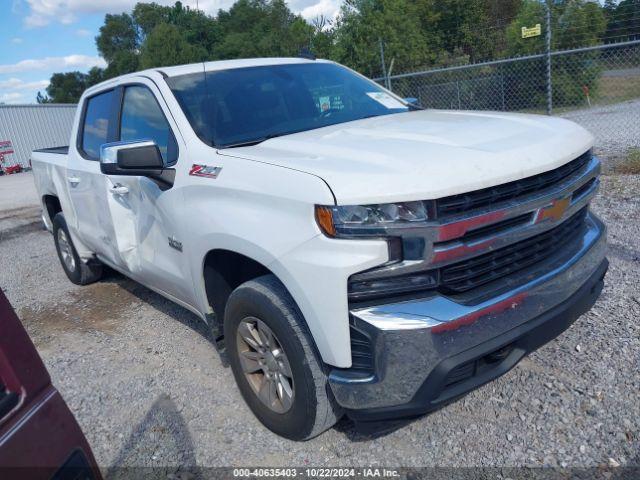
x=369 y=219
x=381 y=220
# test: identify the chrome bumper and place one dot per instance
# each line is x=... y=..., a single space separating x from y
x=412 y=338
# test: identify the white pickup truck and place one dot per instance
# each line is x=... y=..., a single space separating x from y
x=351 y=252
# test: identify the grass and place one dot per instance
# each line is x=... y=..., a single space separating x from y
x=617 y=89
x=610 y=91
x=631 y=164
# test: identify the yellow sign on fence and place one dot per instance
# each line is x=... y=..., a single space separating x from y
x=532 y=32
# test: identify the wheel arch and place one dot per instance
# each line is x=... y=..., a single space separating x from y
x=222 y=272
x=52 y=206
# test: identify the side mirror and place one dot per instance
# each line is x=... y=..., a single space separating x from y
x=412 y=101
x=139 y=158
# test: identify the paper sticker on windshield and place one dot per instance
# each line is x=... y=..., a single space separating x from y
x=325 y=104
x=386 y=100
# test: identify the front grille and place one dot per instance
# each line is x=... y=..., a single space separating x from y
x=464 y=202
x=469 y=274
x=584 y=188
x=495 y=228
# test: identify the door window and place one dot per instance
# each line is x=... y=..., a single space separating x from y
x=96 y=124
x=142 y=119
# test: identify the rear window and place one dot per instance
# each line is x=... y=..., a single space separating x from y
x=96 y=124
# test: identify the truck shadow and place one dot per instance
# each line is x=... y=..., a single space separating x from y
x=167 y=307
x=163 y=305
x=160 y=446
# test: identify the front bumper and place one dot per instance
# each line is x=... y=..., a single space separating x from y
x=429 y=351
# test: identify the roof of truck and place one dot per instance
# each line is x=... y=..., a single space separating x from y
x=209 y=67
x=229 y=64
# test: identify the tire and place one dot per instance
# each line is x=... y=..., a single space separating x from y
x=312 y=408
x=77 y=271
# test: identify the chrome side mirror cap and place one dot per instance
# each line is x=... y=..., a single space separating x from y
x=138 y=158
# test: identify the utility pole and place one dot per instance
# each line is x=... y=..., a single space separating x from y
x=549 y=75
x=384 y=67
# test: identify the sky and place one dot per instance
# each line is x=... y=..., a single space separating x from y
x=40 y=37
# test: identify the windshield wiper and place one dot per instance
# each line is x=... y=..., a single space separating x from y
x=255 y=141
x=264 y=138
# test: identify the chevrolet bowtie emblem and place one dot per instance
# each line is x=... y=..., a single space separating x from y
x=555 y=211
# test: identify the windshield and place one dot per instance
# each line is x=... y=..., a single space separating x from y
x=244 y=106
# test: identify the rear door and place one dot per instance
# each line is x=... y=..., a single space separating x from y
x=84 y=181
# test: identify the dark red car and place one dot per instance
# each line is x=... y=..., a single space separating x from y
x=39 y=437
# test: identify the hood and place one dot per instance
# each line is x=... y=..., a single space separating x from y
x=424 y=155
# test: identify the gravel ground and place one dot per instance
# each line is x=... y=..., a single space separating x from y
x=616 y=128
x=148 y=387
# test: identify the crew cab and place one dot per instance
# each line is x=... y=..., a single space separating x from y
x=350 y=251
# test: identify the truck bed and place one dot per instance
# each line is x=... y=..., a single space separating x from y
x=49 y=167
x=57 y=150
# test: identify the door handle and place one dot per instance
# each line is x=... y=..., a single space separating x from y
x=119 y=189
x=73 y=181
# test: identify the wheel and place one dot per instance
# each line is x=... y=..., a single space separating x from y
x=274 y=362
x=79 y=272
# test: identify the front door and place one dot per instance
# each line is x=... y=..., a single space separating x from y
x=144 y=223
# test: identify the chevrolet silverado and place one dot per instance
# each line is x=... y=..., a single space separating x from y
x=351 y=252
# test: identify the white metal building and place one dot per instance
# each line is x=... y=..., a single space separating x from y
x=29 y=127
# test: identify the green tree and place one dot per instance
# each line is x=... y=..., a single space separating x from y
x=118 y=34
x=578 y=23
x=261 y=28
x=95 y=75
x=322 y=37
x=623 y=20
x=415 y=34
x=397 y=24
x=532 y=12
x=152 y=35
x=148 y=16
x=575 y=23
x=118 y=43
x=198 y=29
x=465 y=26
x=166 y=46
x=123 y=62
x=66 y=87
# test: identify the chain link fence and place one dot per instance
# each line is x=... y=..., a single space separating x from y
x=597 y=87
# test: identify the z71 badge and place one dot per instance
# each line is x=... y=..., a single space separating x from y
x=204 y=171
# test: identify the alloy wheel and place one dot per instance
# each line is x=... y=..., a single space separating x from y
x=65 y=250
x=265 y=364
